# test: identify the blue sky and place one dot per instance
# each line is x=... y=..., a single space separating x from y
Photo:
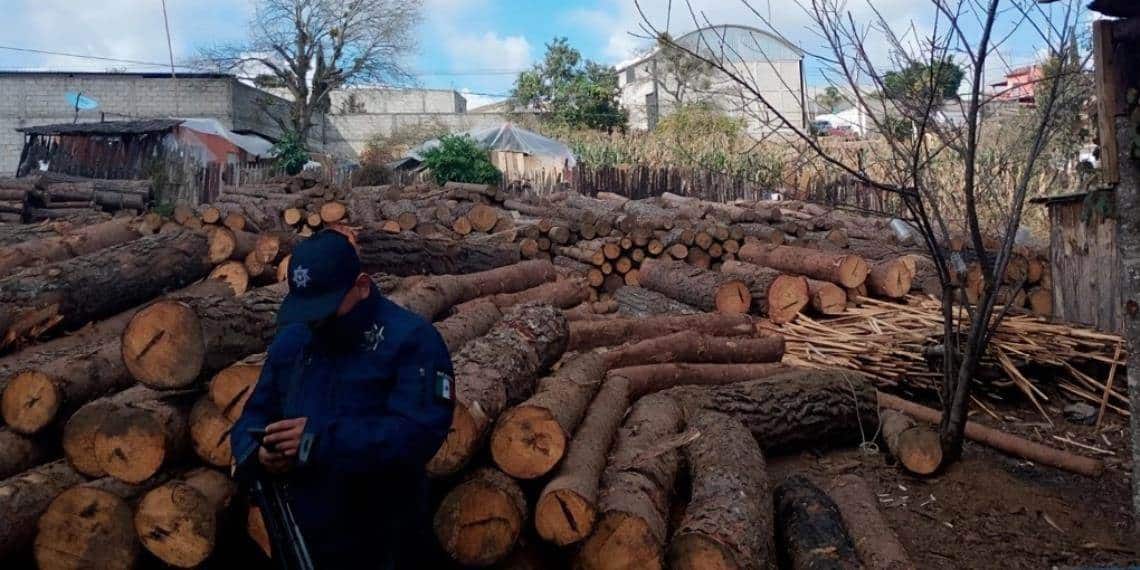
x=469 y=45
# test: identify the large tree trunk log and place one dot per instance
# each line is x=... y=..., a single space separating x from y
x=567 y=508
x=585 y=335
x=560 y=294
x=890 y=279
x=778 y=296
x=24 y=497
x=81 y=241
x=649 y=378
x=479 y=521
x=41 y=394
x=459 y=329
x=706 y=290
x=794 y=410
x=19 y=453
x=178 y=521
x=728 y=523
x=76 y=291
x=409 y=254
x=136 y=440
x=82 y=428
x=810 y=530
x=1001 y=441
x=91 y=526
x=692 y=347
x=170 y=344
x=637 y=489
x=530 y=439
x=827 y=298
x=496 y=371
x=433 y=296
x=875 y=542
x=916 y=447
x=641 y=302
x=847 y=270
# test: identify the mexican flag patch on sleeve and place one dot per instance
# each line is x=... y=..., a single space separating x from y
x=444 y=387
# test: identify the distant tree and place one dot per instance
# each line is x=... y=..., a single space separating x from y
x=830 y=99
x=570 y=90
x=919 y=81
x=312 y=47
x=290 y=153
x=680 y=74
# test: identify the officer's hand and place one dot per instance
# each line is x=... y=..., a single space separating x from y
x=275 y=463
x=284 y=437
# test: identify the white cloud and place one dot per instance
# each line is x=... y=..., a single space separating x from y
x=488 y=51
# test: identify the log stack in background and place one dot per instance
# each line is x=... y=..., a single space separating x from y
x=604 y=349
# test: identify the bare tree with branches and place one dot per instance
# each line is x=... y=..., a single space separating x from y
x=312 y=47
x=969 y=31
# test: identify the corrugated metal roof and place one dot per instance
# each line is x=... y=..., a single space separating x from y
x=104 y=128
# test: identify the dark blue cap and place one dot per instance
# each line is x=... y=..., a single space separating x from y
x=321 y=272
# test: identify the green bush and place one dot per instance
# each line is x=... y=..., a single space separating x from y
x=291 y=153
x=461 y=159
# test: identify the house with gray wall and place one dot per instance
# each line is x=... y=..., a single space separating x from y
x=774 y=67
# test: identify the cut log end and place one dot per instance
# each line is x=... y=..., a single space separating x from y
x=86 y=528
x=164 y=346
x=178 y=523
x=479 y=521
x=131 y=445
x=30 y=402
x=234 y=274
x=853 y=271
x=700 y=552
x=210 y=433
x=787 y=296
x=457 y=448
x=564 y=517
x=915 y=446
x=620 y=541
x=733 y=298
x=232 y=386
x=827 y=298
x=528 y=442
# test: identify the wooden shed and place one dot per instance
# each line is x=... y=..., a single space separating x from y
x=1084 y=259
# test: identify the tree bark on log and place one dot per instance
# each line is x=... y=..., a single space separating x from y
x=495 y=371
x=847 y=270
x=480 y=520
x=43 y=393
x=559 y=294
x=91 y=526
x=705 y=290
x=178 y=521
x=875 y=542
x=73 y=292
x=435 y=295
x=24 y=497
x=170 y=344
x=409 y=254
x=641 y=302
x=650 y=378
x=460 y=328
x=729 y=522
x=917 y=448
x=585 y=335
x=637 y=489
x=19 y=453
x=81 y=241
x=810 y=529
x=1001 y=441
x=793 y=410
x=567 y=507
x=688 y=346
x=778 y=296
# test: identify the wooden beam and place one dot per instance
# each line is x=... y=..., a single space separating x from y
x=1108 y=100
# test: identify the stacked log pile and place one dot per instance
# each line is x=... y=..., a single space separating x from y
x=51 y=196
x=578 y=406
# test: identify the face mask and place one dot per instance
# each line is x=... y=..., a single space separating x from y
x=343 y=332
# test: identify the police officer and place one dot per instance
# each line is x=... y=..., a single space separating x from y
x=355 y=397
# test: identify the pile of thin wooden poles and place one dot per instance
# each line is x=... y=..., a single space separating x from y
x=897 y=345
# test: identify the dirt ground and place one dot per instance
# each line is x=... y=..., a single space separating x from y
x=993 y=511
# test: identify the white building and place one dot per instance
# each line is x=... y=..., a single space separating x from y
x=773 y=67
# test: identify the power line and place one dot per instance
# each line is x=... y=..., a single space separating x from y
x=91 y=57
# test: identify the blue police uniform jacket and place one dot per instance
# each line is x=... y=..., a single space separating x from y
x=377 y=412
